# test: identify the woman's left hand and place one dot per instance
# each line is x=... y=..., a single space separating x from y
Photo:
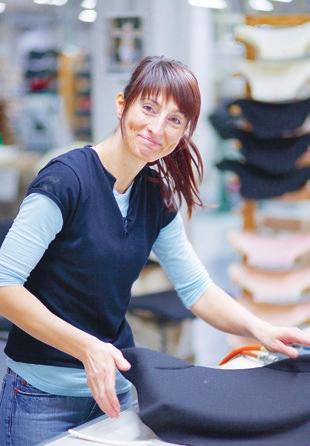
x=278 y=339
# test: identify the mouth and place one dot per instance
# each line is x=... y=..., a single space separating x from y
x=149 y=141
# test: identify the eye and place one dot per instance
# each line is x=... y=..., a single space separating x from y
x=176 y=121
x=148 y=108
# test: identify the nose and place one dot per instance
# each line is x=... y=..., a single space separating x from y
x=156 y=126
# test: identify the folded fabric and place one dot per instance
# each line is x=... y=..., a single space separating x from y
x=269 y=252
x=257 y=184
x=270 y=120
x=276 y=82
x=276 y=43
x=271 y=286
x=226 y=125
x=201 y=406
x=276 y=155
x=165 y=305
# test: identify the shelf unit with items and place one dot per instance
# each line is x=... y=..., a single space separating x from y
x=273 y=275
x=75 y=75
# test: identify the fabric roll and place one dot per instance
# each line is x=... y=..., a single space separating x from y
x=276 y=155
x=257 y=184
x=270 y=120
x=201 y=406
x=271 y=286
x=276 y=82
x=276 y=43
x=269 y=252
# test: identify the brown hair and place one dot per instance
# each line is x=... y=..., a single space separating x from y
x=155 y=75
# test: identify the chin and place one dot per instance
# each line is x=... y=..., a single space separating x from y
x=147 y=154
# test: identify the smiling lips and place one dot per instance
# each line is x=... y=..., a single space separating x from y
x=149 y=141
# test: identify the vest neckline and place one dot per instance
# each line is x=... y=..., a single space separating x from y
x=111 y=177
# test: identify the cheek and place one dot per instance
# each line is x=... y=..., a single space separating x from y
x=172 y=142
x=136 y=121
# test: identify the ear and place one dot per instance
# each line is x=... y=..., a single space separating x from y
x=120 y=104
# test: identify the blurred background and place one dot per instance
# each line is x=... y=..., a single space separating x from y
x=62 y=63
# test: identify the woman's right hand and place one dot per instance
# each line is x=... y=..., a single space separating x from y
x=101 y=362
x=100 y=359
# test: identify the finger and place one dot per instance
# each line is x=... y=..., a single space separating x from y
x=105 y=404
x=300 y=338
x=99 y=393
x=293 y=335
x=97 y=386
x=120 y=361
x=110 y=391
x=291 y=352
x=108 y=397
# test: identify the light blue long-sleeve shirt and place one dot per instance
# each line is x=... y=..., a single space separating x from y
x=37 y=224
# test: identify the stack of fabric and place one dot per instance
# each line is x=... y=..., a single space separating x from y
x=273 y=141
x=270 y=129
x=271 y=125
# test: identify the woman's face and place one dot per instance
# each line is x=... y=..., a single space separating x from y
x=153 y=127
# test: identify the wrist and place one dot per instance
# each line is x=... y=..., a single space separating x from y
x=257 y=327
x=87 y=343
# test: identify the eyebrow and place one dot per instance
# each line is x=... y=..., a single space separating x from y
x=158 y=104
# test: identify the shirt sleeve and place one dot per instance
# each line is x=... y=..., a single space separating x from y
x=181 y=263
x=59 y=182
x=36 y=225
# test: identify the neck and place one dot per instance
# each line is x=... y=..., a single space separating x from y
x=118 y=161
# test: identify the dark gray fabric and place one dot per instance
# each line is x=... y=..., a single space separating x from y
x=200 y=406
x=166 y=305
x=257 y=184
x=224 y=124
x=270 y=120
x=277 y=155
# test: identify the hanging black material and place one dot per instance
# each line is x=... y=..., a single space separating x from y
x=257 y=184
x=226 y=125
x=276 y=155
x=270 y=120
x=265 y=120
x=200 y=406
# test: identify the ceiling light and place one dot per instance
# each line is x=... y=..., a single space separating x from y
x=58 y=2
x=2 y=7
x=51 y=2
x=88 y=15
x=216 y=4
x=89 y=4
x=261 y=5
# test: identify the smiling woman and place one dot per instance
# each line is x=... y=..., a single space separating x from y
x=175 y=108
x=81 y=238
x=158 y=113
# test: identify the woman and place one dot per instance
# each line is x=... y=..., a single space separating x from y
x=81 y=238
